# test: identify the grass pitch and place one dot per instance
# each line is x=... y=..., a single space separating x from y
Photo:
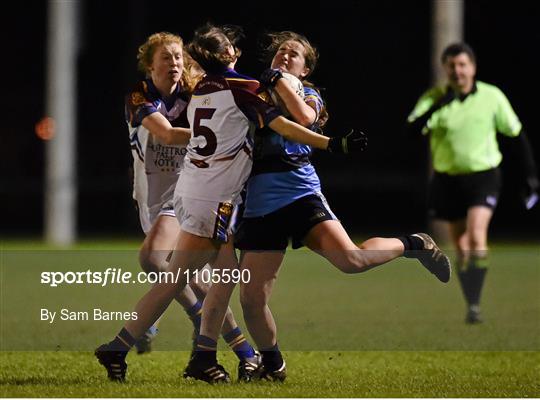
x=312 y=374
x=392 y=332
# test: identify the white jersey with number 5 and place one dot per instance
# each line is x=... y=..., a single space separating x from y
x=223 y=113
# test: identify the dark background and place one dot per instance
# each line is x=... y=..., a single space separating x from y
x=375 y=62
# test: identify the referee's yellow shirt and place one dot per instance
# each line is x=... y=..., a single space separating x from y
x=463 y=132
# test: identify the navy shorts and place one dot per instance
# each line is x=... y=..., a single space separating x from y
x=273 y=231
x=450 y=196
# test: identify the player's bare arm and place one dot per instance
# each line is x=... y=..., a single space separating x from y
x=299 y=134
x=352 y=142
x=301 y=112
x=160 y=127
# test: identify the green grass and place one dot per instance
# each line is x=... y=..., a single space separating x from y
x=312 y=374
x=393 y=332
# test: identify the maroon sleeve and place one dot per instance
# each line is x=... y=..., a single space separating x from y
x=138 y=104
x=255 y=106
x=182 y=119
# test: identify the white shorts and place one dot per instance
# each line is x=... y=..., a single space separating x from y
x=209 y=219
x=155 y=198
x=148 y=217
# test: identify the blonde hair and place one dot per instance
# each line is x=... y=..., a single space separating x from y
x=191 y=74
x=146 y=51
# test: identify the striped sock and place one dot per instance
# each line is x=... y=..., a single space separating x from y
x=241 y=347
x=195 y=313
x=123 y=342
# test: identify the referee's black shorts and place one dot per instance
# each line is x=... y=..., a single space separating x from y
x=450 y=196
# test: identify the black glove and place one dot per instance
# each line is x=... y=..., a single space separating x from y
x=353 y=142
x=530 y=192
x=270 y=77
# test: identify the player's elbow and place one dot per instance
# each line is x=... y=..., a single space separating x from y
x=168 y=139
x=305 y=120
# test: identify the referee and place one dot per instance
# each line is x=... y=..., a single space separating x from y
x=462 y=120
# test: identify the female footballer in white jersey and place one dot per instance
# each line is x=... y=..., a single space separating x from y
x=223 y=112
x=159 y=132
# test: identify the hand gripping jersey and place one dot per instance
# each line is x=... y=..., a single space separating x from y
x=223 y=113
x=282 y=171
x=156 y=165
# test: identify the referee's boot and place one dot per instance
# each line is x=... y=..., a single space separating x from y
x=473 y=315
x=433 y=258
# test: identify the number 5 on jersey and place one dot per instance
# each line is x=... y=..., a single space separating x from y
x=206 y=132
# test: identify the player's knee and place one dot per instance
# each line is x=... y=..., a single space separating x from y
x=153 y=260
x=477 y=242
x=354 y=262
x=147 y=262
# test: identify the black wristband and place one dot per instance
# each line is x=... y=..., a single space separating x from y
x=337 y=145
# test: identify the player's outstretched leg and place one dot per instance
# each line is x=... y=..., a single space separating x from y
x=432 y=257
x=329 y=239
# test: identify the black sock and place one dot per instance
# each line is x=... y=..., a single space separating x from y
x=477 y=273
x=123 y=342
x=271 y=358
x=412 y=245
x=195 y=313
x=465 y=285
x=205 y=352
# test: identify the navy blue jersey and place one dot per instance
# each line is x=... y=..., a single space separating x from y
x=282 y=171
x=156 y=165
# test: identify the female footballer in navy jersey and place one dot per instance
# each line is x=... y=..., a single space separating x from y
x=222 y=111
x=284 y=201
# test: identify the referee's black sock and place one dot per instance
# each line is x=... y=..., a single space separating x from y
x=463 y=277
x=271 y=358
x=476 y=275
x=465 y=284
